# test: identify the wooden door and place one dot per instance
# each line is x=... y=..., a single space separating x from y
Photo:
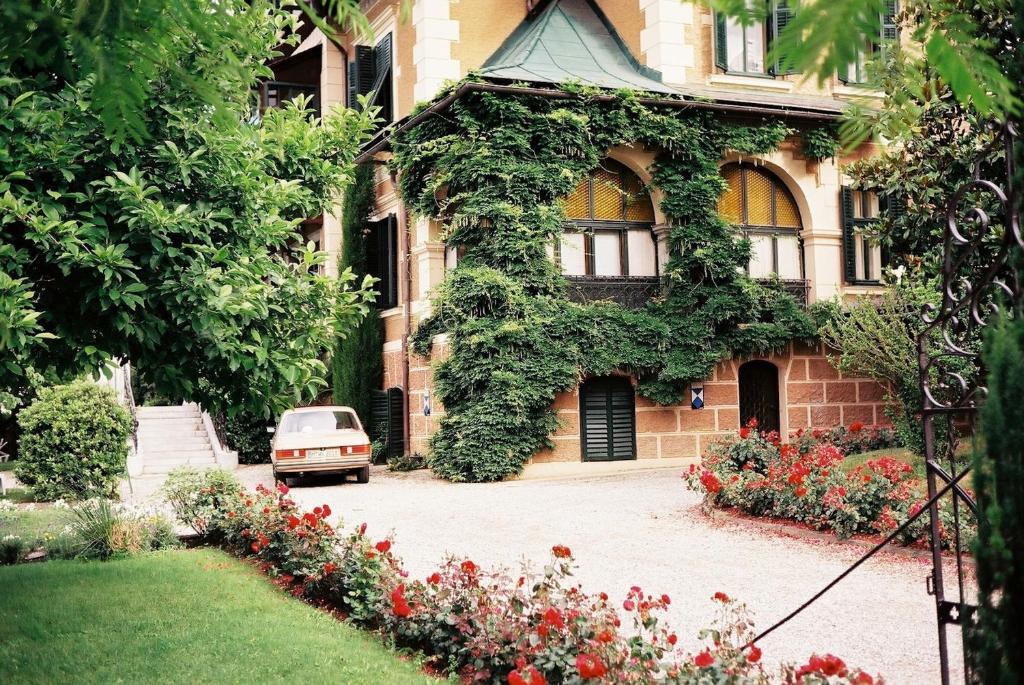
x=608 y=419
x=759 y=394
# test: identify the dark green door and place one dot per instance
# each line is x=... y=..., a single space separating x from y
x=608 y=419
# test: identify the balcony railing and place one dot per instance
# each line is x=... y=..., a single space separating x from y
x=632 y=292
x=797 y=287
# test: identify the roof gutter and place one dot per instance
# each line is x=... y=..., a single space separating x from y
x=381 y=141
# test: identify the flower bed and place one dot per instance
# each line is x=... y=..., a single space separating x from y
x=804 y=481
x=482 y=626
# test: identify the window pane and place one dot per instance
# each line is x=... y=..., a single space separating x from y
x=858 y=204
x=755 y=48
x=730 y=202
x=608 y=200
x=759 y=198
x=786 y=213
x=573 y=257
x=870 y=204
x=577 y=205
x=734 y=44
x=760 y=256
x=638 y=202
x=451 y=257
x=607 y=255
x=789 y=256
x=642 y=253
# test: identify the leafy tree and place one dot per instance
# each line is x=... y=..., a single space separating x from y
x=997 y=641
x=357 y=364
x=178 y=253
x=129 y=46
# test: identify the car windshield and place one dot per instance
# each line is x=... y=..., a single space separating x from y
x=318 y=422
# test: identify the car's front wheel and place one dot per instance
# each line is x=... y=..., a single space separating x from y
x=363 y=475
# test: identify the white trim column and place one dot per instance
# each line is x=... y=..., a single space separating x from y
x=663 y=39
x=432 y=52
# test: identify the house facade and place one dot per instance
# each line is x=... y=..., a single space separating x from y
x=798 y=213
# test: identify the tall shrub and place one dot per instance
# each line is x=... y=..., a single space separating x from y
x=997 y=641
x=357 y=365
x=74 y=442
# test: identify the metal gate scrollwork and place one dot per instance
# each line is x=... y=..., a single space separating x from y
x=981 y=253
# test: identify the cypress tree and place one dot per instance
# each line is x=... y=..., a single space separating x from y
x=996 y=641
x=357 y=364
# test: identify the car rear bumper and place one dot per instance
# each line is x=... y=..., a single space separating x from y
x=302 y=466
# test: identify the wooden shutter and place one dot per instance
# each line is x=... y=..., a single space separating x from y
x=387 y=420
x=608 y=411
x=361 y=71
x=382 y=258
x=382 y=78
x=893 y=207
x=890 y=29
x=782 y=14
x=721 y=40
x=849 y=236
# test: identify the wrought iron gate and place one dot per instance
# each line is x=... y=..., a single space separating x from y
x=982 y=251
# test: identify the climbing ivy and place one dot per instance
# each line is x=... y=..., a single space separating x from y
x=819 y=143
x=493 y=169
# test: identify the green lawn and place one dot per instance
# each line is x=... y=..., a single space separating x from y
x=176 y=617
x=898 y=453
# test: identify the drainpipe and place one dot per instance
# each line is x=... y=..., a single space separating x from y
x=404 y=233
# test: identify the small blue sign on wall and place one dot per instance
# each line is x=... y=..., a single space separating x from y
x=696 y=396
x=426 y=403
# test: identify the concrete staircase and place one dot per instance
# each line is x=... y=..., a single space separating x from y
x=171 y=437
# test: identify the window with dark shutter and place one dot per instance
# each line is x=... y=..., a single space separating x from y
x=382 y=255
x=863 y=260
x=386 y=422
x=743 y=49
x=360 y=74
x=782 y=14
x=856 y=71
x=608 y=425
x=370 y=73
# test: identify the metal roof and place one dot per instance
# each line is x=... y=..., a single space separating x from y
x=571 y=40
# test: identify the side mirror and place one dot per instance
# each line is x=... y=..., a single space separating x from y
x=271 y=429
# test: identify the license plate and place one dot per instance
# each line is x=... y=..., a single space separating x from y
x=322 y=454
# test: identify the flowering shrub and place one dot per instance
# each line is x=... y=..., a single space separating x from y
x=478 y=625
x=804 y=481
x=855 y=439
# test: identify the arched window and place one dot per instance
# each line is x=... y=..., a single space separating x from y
x=610 y=232
x=764 y=208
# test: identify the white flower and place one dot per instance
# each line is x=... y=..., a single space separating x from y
x=10 y=538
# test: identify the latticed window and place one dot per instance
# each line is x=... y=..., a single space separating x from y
x=610 y=232
x=765 y=210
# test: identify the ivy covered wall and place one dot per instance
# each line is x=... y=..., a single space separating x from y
x=492 y=169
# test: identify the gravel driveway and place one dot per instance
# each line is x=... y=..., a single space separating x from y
x=645 y=528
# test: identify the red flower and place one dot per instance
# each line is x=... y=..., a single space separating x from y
x=399 y=606
x=370 y=554
x=231 y=514
x=605 y=636
x=856 y=427
x=310 y=519
x=383 y=546
x=603 y=596
x=401 y=609
x=327 y=511
x=362 y=528
x=800 y=491
x=752 y=422
x=710 y=482
x=329 y=568
x=246 y=532
x=628 y=605
x=590 y=666
x=434 y=578
x=561 y=551
x=672 y=639
x=266 y=510
x=721 y=597
x=755 y=654
x=704 y=659
x=468 y=567
x=526 y=676
x=282 y=488
x=553 y=618
x=293 y=521
x=666 y=600
x=744 y=433
x=255 y=547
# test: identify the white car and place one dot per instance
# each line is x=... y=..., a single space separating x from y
x=320 y=440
